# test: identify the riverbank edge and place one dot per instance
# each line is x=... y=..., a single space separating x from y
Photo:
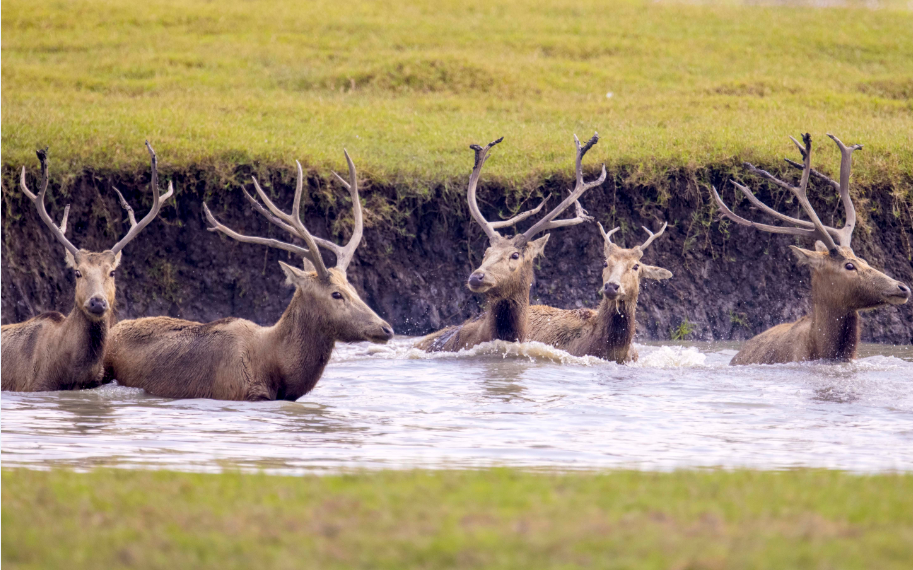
x=729 y=283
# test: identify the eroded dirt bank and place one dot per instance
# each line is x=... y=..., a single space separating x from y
x=417 y=253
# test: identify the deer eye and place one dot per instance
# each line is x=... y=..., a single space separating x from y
x=515 y=255
x=337 y=295
x=78 y=274
x=112 y=274
x=636 y=267
x=605 y=263
x=850 y=267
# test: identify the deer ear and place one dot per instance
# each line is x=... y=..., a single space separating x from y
x=293 y=275
x=657 y=273
x=71 y=261
x=116 y=260
x=536 y=247
x=811 y=258
x=820 y=247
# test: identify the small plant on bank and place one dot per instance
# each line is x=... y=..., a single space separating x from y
x=683 y=330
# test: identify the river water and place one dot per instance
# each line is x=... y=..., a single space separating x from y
x=524 y=405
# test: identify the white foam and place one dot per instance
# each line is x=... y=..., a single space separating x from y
x=671 y=357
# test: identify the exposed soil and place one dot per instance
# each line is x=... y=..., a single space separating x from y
x=729 y=283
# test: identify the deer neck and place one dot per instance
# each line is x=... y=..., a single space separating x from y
x=508 y=314
x=614 y=329
x=86 y=336
x=834 y=329
x=299 y=347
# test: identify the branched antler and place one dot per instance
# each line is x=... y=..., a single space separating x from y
x=608 y=236
x=289 y=222
x=292 y=224
x=813 y=228
x=157 y=200
x=39 y=203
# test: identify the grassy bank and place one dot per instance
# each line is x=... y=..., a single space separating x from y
x=457 y=519
x=407 y=87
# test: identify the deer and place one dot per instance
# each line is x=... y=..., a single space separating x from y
x=55 y=352
x=235 y=359
x=506 y=272
x=607 y=332
x=843 y=284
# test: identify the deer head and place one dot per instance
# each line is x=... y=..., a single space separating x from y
x=622 y=269
x=840 y=279
x=95 y=288
x=507 y=265
x=333 y=303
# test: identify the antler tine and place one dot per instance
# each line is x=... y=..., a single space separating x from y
x=652 y=237
x=546 y=223
x=607 y=236
x=520 y=217
x=726 y=212
x=846 y=163
x=345 y=253
x=39 y=203
x=311 y=254
x=481 y=155
x=157 y=200
x=290 y=223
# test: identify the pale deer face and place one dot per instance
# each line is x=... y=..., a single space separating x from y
x=507 y=265
x=95 y=288
x=847 y=281
x=338 y=307
x=622 y=272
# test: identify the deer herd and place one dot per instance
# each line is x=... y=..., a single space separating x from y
x=235 y=359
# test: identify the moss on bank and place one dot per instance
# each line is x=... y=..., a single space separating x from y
x=457 y=519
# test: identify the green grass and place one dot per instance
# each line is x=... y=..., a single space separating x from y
x=457 y=519
x=407 y=86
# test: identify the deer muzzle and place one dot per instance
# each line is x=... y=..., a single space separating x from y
x=97 y=305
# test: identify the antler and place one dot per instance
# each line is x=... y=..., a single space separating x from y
x=157 y=201
x=39 y=203
x=344 y=253
x=481 y=155
x=546 y=223
x=652 y=237
x=289 y=222
x=608 y=236
x=814 y=228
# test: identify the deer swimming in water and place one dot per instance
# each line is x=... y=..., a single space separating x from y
x=842 y=283
x=608 y=331
x=506 y=273
x=54 y=352
x=235 y=359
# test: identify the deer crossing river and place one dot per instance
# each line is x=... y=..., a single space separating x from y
x=523 y=405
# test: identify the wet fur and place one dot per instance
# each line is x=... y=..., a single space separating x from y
x=53 y=352
x=832 y=330
x=235 y=359
x=508 y=302
x=606 y=333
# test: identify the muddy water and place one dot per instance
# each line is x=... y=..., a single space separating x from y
x=501 y=404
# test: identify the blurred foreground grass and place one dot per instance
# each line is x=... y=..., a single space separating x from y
x=457 y=519
x=407 y=86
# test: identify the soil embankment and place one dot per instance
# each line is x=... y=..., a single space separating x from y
x=417 y=253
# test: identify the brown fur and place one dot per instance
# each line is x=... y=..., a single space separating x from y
x=53 y=352
x=235 y=359
x=505 y=284
x=831 y=331
x=607 y=332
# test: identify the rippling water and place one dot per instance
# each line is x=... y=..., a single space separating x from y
x=524 y=405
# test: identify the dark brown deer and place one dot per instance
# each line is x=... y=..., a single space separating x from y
x=53 y=352
x=842 y=283
x=607 y=332
x=235 y=359
x=506 y=273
